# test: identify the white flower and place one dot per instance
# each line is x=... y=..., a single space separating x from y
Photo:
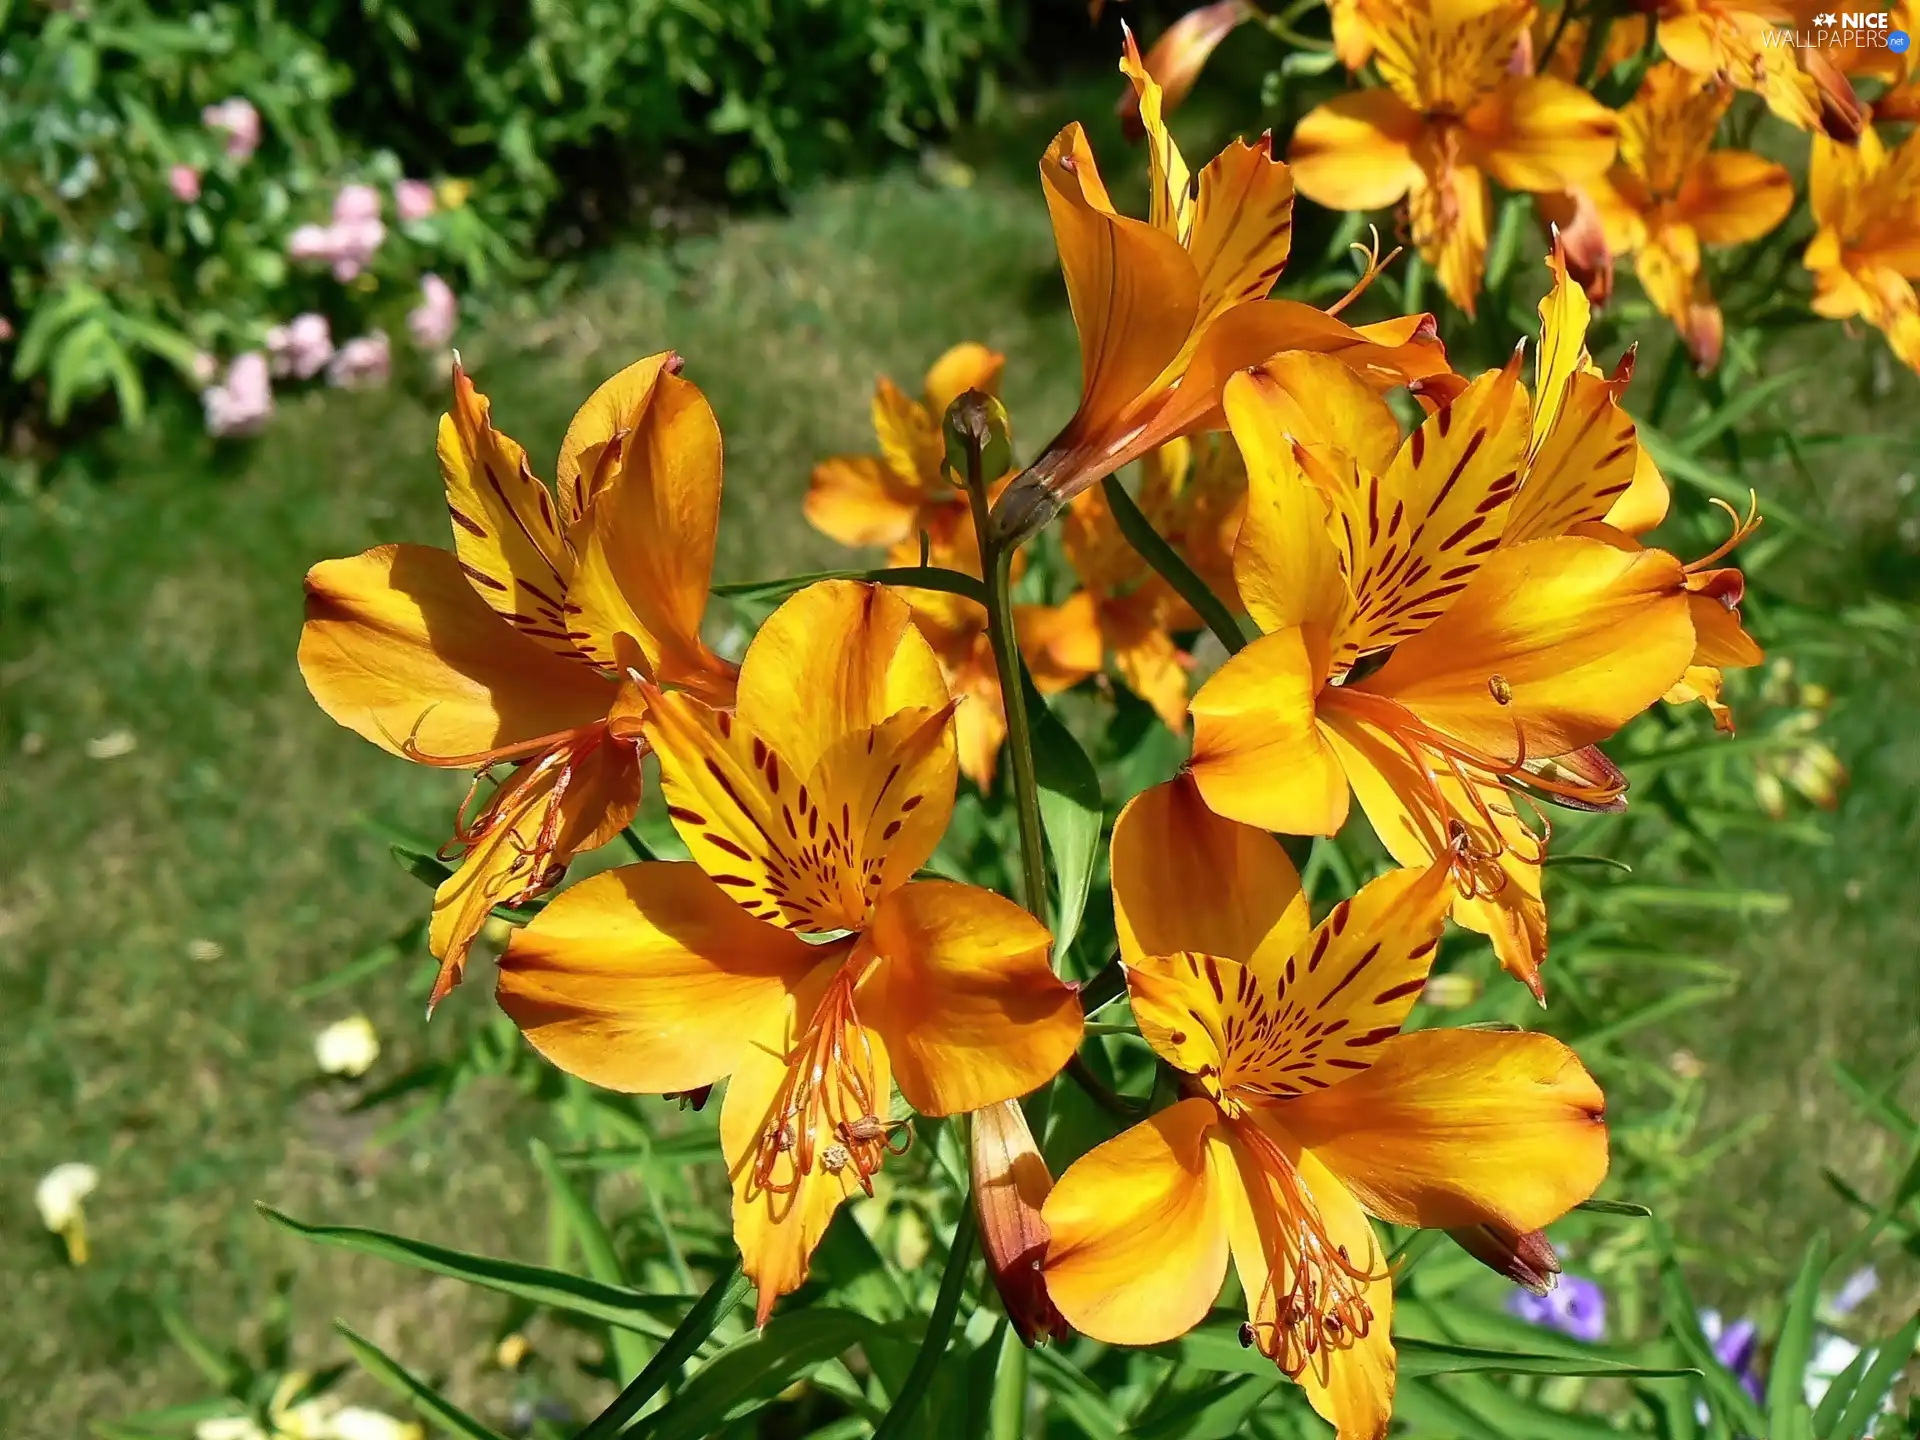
x=1835 y=1354
x=58 y=1197
x=229 y=1427
x=112 y=745
x=355 y=1422
x=347 y=1047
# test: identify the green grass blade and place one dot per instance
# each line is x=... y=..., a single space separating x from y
x=727 y=1290
x=1891 y=1358
x=1070 y=814
x=756 y=1367
x=555 y=1289
x=1434 y=1357
x=1787 y=1414
x=939 y=1328
x=1615 y=1207
x=1839 y=1393
x=220 y=1370
x=916 y=577
x=424 y=1398
x=596 y=1249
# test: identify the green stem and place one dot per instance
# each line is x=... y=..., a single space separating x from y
x=1153 y=549
x=641 y=850
x=1101 y=1093
x=946 y=1305
x=1007 y=1418
x=997 y=565
x=727 y=1290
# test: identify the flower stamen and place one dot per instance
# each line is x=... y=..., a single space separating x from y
x=1743 y=527
x=830 y=1093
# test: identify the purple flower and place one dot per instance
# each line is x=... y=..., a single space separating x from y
x=238 y=121
x=1736 y=1346
x=184 y=181
x=1855 y=1292
x=413 y=199
x=242 y=403
x=1576 y=1307
x=433 y=320
x=362 y=362
x=301 y=347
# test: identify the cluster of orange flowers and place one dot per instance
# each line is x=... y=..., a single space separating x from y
x=1451 y=620
x=1472 y=89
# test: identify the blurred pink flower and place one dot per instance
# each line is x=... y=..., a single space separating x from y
x=433 y=320
x=184 y=181
x=301 y=347
x=362 y=362
x=6 y=329
x=413 y=199
x=238 y=121
x=356 y=202
x=241 y=404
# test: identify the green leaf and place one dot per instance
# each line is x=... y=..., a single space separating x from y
x=1891 y=1358
x=1076 y=1397
x=1215 y=1413
x=727 y=1290
x=915 y=577
x=596 y=1249
x=221 y=1370
x=402 y=1382
x=1435 y=1357
x=754 y=1369
x=1615 y=1207
x=1070 y=813
x=556 y=1289
x=1787 y=1414
x=1683 y=1324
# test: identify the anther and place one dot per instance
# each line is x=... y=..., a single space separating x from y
x=835 y=1158
x=1501 y=690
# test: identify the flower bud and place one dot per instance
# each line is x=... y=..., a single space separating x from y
x=1010 y=1184
x=1178 y=56
x=978 y=438
x=1527 y=1260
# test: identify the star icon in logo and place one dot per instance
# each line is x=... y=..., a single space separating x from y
x=1825 y=20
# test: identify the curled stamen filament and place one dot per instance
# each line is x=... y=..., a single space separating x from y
x=826 y=1112
x=1323 y=1305
x=516 y=797
x=1374 y=266
x=1743 y=527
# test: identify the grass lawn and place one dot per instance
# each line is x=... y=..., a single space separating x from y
x=164 y=903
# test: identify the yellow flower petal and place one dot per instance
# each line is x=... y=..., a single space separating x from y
x=1139 y=1240
x=858 y=500
x=646 y=555
x=505 y=528
x=1452 y=1128
x=1186 y=879
x=1356 y=151
x=1644 y=503
x=836 y=658
x=1062 y=643
x=778 y=1225
x=398 y=647
x=1581 y=636
x=588 y=455
x=1170 y=182
x=1258 y=754
x=650 y=978
x=963 y=995
x=1148 y=662
x=963 y=367
x=1536 y=132
x=910 y=439
x=1732 y=197
x=1242 y=226
x=1320 y=401
x=1447 y=213
x=1581 y=467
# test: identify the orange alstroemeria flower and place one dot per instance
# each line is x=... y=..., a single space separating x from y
x=1866 y=252
x=1672 y=192
x=902 y=496
x=1125 y=609
x=1513 y=636
x=1169 y=307
x=1731 y=39
x=796 y=956
x=524 y=647
x=1451 y=113
x=903 y=492
x=1305 y=1110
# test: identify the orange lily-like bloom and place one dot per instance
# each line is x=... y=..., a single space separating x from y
x=1125 y=609
x=1866 y=252
x=904 y=495
x=1451 y=113
x=903 y=492
x=1673 y=192
x=796 y=954
x=525 y=645
x=1752 y=44
x=1168 y=307
x=1304 y=1110
x=1513 y=637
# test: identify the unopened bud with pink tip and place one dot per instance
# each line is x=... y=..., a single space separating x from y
x=1527 y=1260
x=1010 y=1184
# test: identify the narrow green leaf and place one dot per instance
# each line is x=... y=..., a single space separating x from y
x=1070 y=813
x=556 y=1289
x=939 y=1327
x=402 y=1382
x=1839 y=1392
x=1216 y=1413
x=752 y=1370
x=1433 y=1410
x=1683 y=1324
x=1787 y=1414
x=916 y=577
x=1077 y=1398
x=220 y=1370
x=1875 y=1101
x=1615 y=1207
x=1435 y=1357
x=596 y=1249
x=727 y=1290
x=1891 y=1357
x=408 y=942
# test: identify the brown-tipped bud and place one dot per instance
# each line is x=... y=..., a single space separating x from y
x=1010 y=1184
x=1527 y=1260
x=1178 y=56
x=1705 y=332
x=979 y=440
x=1583 y=241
